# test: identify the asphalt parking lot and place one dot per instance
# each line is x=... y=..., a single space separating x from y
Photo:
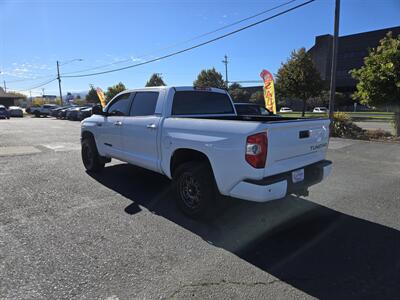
x=65 y=234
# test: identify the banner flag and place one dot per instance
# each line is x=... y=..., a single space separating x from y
x=101 y=96
x=269 y=91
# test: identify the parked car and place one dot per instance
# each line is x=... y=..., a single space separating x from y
x=320 y=110
x=63 y=112
x=16 y=111
x=4 y=113
x=72 y=113
x=251 y=109
x=285 y=109
x=55 y=111
x=84 y=113
x=194 y=137
x=44 y=110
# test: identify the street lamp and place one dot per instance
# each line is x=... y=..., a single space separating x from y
x=58 y=73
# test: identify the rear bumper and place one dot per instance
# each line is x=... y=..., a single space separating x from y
x=278 y=186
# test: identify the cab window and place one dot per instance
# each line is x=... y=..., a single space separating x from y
x=144 y=104
x=120 y=105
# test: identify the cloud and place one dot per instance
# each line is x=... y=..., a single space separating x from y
x=26 y=70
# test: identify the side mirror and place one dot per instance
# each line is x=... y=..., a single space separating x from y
x=98 y=110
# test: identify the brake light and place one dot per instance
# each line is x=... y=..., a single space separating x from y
x=256 y=150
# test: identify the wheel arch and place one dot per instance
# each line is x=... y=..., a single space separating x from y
x=185 y=155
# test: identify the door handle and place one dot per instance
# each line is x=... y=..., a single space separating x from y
x=118 y=123
x=151 y=126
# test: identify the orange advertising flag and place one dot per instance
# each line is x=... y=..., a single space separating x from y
x=269 y=91
x=101 y=96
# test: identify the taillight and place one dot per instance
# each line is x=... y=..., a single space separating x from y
x=256 y=150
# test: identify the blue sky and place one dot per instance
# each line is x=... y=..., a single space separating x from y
x=35 y=34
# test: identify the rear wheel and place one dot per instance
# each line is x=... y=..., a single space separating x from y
x=195 y=189
x=90 y=156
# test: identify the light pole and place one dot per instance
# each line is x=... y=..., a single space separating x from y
x=334 y=60
x=225 y=61
x=59 y=77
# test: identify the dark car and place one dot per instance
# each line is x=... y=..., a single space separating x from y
x=84 y=113
x=63 y=113
x=4 y=113
x=55 y=111
x=251 y=109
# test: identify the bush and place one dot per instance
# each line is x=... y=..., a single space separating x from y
x=342 y=126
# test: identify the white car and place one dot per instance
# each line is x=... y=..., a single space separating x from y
x=16 y=111
x=195 y=137
x=320 y=110
x=285 y=109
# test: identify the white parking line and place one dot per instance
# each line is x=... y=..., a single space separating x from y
x=58 y=147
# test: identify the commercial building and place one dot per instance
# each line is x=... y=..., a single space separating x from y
x=351 y=52
x=7 y=99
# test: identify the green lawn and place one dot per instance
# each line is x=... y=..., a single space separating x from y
x=355 y=116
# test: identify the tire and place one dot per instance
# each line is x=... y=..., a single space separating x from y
x=195 y=189
x=90 y=156
x=37 y=114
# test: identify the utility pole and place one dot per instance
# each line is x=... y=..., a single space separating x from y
x=225 y=61
x=334 y=60
x=5 y=87
x=59 y=81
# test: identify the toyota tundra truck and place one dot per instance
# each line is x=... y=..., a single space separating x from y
x=195 y=137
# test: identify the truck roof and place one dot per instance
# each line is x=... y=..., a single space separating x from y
x=177 y=88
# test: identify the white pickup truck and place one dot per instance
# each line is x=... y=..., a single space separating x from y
x=44 y=110
x=195 y=137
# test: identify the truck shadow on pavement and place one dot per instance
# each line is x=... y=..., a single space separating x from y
x=325 y=253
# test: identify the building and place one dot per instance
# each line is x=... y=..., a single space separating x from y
x=7 y=99
x=351 y=52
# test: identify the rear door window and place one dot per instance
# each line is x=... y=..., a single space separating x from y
x=144 y=104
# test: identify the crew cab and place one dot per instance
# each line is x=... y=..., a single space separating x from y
x=44 y=110
x=195 y=137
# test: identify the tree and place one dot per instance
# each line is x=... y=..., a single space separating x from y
x=258 y=97
x=17 y=94
x=234 y=86
x=379 y=78
x=240 y=95
x=209 y=78
x=114 y=90
x=155 y=80
x=92 y=96
x=298 y=78
x=78 y=96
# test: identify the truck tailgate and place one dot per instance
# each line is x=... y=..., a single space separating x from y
x=294 y=144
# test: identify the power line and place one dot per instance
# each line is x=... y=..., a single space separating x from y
x=245 y=81
x=189 y=40
x=35 y=87
x=30 y=79
x=195 y=46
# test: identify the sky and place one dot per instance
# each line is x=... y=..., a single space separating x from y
x=35 y=34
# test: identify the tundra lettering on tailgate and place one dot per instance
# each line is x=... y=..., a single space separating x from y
x=319 y=146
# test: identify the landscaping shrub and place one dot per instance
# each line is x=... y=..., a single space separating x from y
x=343 y=127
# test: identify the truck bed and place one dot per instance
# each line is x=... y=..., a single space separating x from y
x=263 y=119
